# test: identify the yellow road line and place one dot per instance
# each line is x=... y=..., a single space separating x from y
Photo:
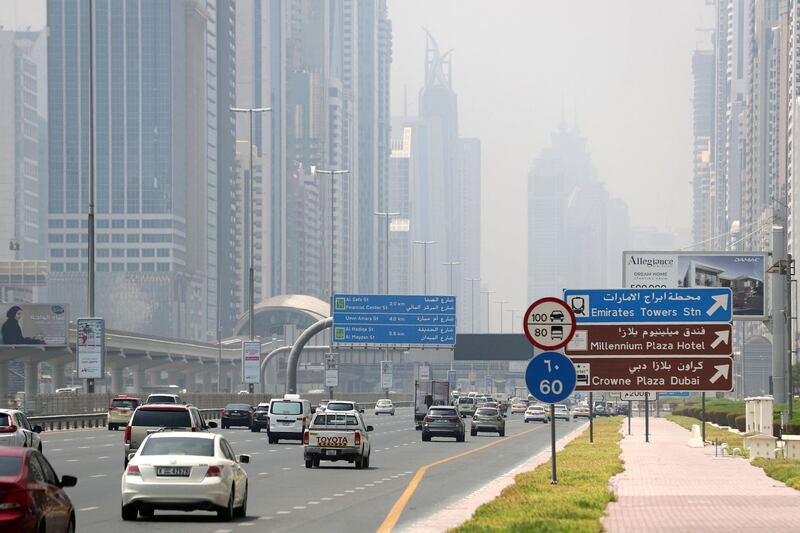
x=394 y=514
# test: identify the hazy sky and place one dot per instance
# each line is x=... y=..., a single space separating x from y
x=619 y=69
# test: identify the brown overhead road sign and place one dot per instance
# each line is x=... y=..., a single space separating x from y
x=651 y=339
x=660 y=374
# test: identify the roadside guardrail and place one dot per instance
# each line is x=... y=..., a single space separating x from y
x=99 y=420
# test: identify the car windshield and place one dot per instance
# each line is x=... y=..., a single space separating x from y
x=125 y=404
x=335 y=420
x=442 y=412
x=179 y=446
x=237 y=407
x=161 y=399
x=487 y=412
x=286 y=408
x=10 y=466
x=162 y=418
x=340 y=406
x=466 y=400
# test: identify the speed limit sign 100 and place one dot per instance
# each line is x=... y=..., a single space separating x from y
x=549 y=323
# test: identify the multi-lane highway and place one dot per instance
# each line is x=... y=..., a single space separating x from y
x=288 y=497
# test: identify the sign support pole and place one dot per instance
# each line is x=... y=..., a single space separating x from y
x=646 y=420
x=591 y=418
x=630 y=403
x=554 y=480
x=330 y=393
x=703 y=421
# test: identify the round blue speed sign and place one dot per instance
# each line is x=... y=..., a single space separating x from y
x=550 y=377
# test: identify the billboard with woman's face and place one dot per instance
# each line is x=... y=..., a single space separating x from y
x=34 y=324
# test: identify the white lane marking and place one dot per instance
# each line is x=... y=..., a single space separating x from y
x=90 y=438
x=284 y=512
x=339 y=494
x=223 y=531
x=98 y=475
x=312 y=503
x=286 y=468
x=246 y=524
x=273 y=450
x=107 y=445
x=68 y=440
x=299 y=507
x=103 y=457
x=254 y=453
x=387 y=479
x=263 y=473
x=73 y=460
x=326 y=499
x=408 y=472
x=83 y=447
x=348 y=491
x=56 y=449
x=359 y=488
x=88 y=509
x=369 y=485
x=266 y=518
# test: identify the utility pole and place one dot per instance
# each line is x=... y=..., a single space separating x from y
x=780 y=316
x=386 y=215
x=425 y=262
x=252 y=272
x=488 y=310
x=513 y=318
x=472 y=282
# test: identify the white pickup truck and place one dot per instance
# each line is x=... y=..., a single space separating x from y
x=337 y=437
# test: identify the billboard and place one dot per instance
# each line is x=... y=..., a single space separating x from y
x=35 y=324
x=743 y=272
x=90 y=346
x=386 y=374
x=331 y=369
x=251 y=362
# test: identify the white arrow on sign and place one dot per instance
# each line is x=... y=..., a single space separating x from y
x=722 y=336
x=720 y=302
x=722 y=372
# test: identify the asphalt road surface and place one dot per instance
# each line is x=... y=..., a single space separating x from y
x=285 y=496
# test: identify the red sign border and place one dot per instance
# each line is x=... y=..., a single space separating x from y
x=550 y=299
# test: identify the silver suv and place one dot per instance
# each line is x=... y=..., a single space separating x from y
x=152 y=418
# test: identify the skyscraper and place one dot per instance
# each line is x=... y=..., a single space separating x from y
x=23 y=143
x=704 y=205
x=158 y=158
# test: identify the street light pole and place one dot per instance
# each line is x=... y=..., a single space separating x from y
x=331 y=173
x=425 y=262
x=472 y=299
x=386 y=215
x=90 y=267
x=501 y=302
x=451 y=264
x=488 y=310
x=513 y=318
x=252 y=272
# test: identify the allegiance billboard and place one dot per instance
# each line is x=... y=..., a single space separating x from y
x=743 y=272
x=35 y=324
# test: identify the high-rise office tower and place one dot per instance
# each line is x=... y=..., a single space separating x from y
x=703 y=215
x=23 y=143
x=158 y=67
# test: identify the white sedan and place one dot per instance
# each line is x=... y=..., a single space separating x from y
x=15 y=430
x=384 y=407
x=187 y=472
x=536 y=413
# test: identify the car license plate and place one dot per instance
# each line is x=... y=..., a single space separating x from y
x=331 y=452
x=173 y=471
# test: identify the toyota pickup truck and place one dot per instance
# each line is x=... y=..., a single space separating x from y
x=337 y=437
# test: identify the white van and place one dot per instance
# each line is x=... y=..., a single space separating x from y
x=288 y=418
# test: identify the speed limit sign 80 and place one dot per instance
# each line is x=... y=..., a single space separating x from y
x=549 y=323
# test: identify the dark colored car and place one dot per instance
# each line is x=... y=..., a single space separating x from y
x=31 y=494
x=260 y=418
x=622 y=409
x=237 y=414
x=443 y=421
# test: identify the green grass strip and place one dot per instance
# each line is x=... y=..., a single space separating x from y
x=574 y=505
x=786 y=470
x=713 y=433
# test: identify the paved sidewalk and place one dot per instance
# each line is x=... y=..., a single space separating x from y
x=669 y=487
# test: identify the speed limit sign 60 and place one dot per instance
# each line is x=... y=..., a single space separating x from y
x=549 y=323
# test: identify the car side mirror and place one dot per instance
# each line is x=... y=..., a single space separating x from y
x=38 y=429
x=130 y=455
x=68 y=481
x=370 y=428
x=360 y=410
x=212 y=424
x=244 y=458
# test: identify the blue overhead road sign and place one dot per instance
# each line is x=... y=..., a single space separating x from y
x=692 y=305
x=399 y=320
